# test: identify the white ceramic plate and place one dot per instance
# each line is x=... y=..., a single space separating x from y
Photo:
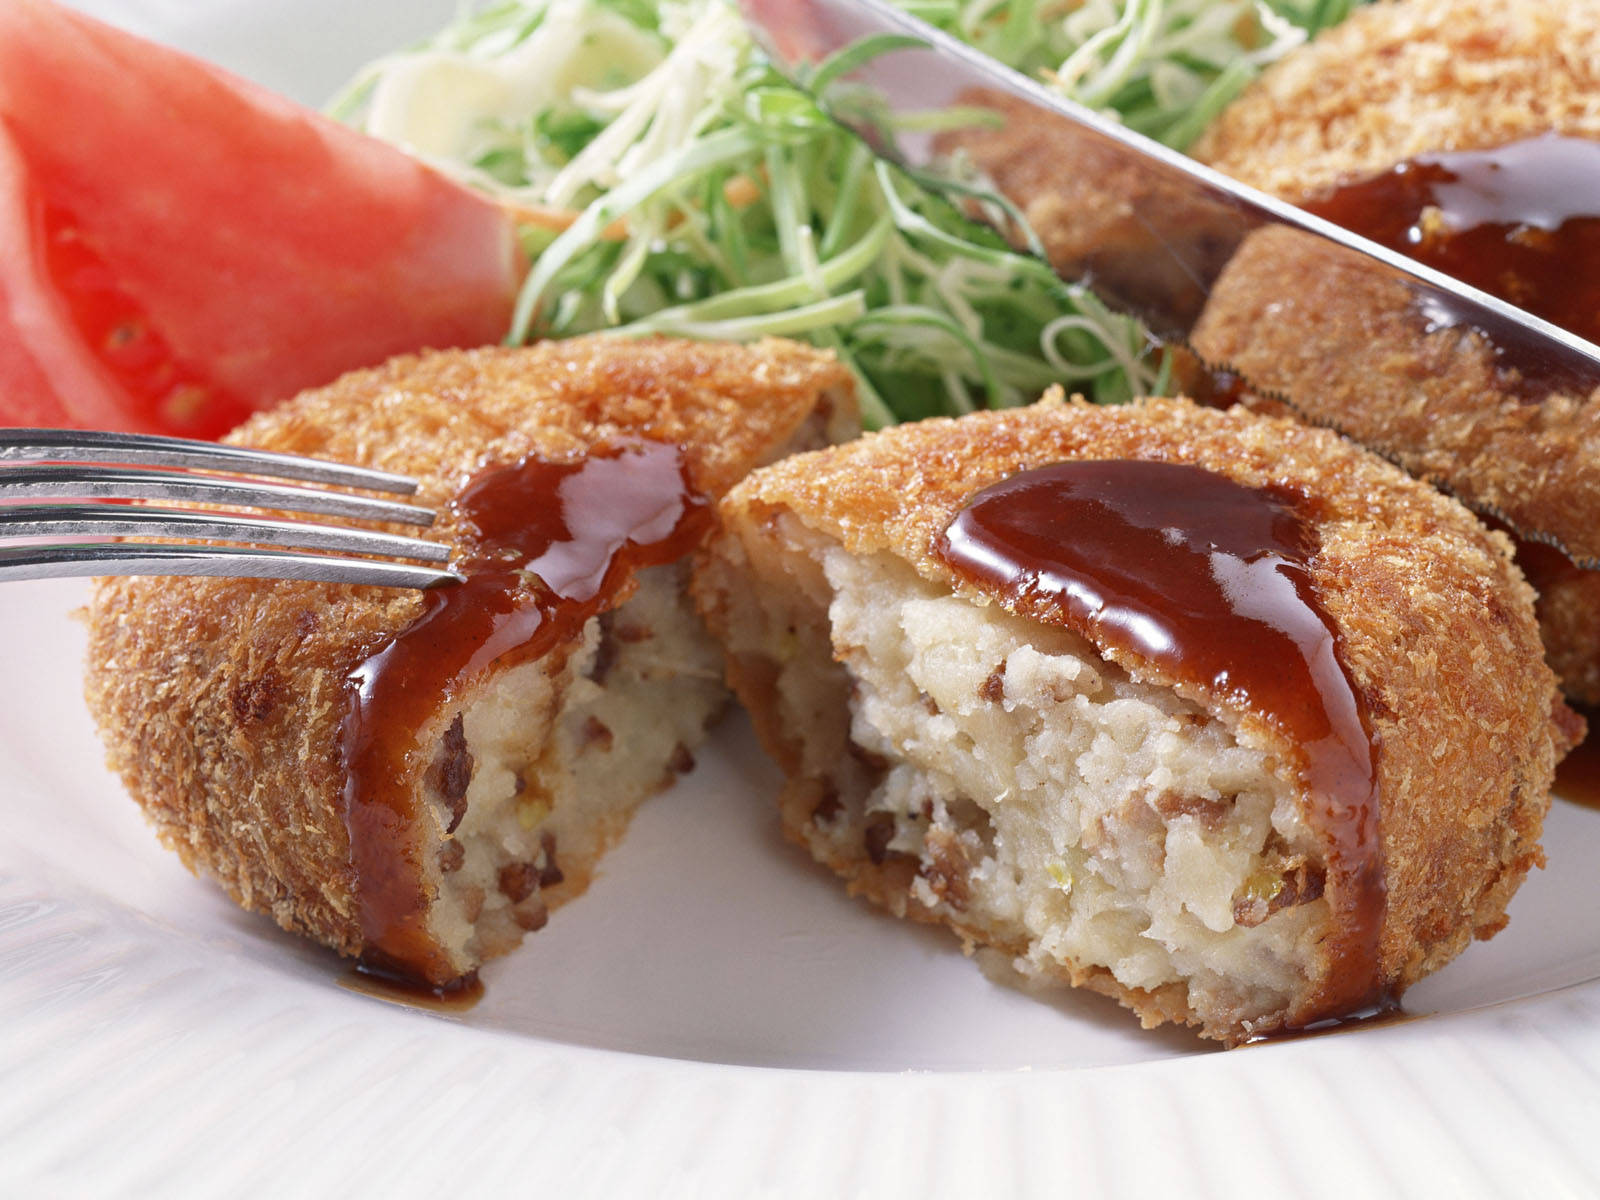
x=713 y=1017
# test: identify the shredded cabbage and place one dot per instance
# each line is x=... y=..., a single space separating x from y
x=667 y=180
x=1164 y=67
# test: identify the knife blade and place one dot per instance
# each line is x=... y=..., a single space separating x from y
x=1161 y=231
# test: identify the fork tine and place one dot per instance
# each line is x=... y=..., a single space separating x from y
x=131 y=483
x=135 y=467
x=83 y=445
x=72 y=520
x=56 y=562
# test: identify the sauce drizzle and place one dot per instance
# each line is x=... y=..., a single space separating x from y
x=549 y=545
x=458 y=996
x=1520 y=221
x=1207 y=580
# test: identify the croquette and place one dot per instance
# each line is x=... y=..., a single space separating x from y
x=964 y=754
x=1397 y=80
x=226 y=704
x=1355 y=349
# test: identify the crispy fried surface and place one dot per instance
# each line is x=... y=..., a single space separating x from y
x=1569 y=620
x=220 y=700
x=1437 y=629
x=1397 y=80
x=1294 y=313
x=1392 y=82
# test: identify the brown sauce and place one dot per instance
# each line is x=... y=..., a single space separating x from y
x=1386 y=1011
x=1206 y=580
x=1520 y=221
x=1578 y=775
x=458 y=996
x=549 y=545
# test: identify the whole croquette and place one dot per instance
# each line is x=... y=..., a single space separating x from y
x=1394 y=82
x=392 y=773
x=975 y=755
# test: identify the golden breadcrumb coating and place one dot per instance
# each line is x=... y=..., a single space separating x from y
x=1349 y=345
x=1393 y=82
x=1569 y=619
x=221 y=700
x=1436 y=625
x=1401 y=79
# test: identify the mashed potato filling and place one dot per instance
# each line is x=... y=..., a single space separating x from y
x=980 y=769
x=559 y=761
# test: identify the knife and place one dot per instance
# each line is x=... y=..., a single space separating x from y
x=1170 y=229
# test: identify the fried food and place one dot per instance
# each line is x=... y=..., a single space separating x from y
x=968 y=754
x=237 y=711
x=1353 y=349
x=1397 y=80
x=1351 y=346
x=1393 y=82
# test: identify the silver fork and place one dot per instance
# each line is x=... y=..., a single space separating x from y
x=82 y=473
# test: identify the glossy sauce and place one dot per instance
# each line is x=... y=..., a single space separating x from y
x=1206 y=580
x=457 y=996
x=1386 y=1011
x=1520 y=221
x=550 y=545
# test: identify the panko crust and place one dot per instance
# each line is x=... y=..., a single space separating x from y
x=1569 y=619
x=1436 y=623
x=1297 y=314
x=1397 y=80
x=221 y=700
x=1392 y=82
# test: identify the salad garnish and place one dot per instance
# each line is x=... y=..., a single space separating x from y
x=667 y=179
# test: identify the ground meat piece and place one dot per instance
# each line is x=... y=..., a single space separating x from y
x=946 y=868
x=1210 y=813
x=597 y=733
x=451 y=772
x=549 y=874
x=876 y=839
x=518 y=881
x=1299 y=882
x=451 y=855
x=532 y=917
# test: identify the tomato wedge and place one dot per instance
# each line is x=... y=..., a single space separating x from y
x=179 y=247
